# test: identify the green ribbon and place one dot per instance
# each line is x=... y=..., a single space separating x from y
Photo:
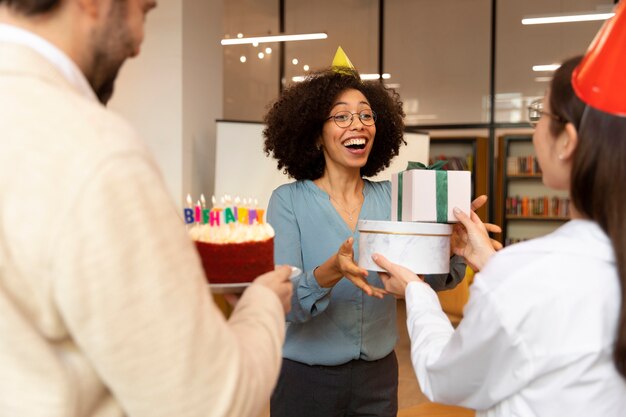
x=442 y=196
x=418 y=165
x=441 y=183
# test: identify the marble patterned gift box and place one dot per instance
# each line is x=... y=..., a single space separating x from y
x=429 y=195
x=424 y=248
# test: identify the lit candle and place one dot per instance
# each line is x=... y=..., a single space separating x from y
x=242 y=212
x=259 y=212
x=215 y=213
x=198 y=212
x=229 y=215
x=188 y=212
x=251 y=213
x=206 y=213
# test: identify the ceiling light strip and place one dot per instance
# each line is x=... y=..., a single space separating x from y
x=274 y=38
x=386 y=76
x=549 y=67
x=582 y=17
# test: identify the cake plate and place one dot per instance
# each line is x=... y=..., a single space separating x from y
x=240 y=287
x=229 y=288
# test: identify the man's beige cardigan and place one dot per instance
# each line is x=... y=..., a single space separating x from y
x=104 y=310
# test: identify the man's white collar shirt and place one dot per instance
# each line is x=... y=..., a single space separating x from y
x=67 y=67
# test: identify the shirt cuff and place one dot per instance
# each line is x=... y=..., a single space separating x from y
x=420 y=296
x=313 y=298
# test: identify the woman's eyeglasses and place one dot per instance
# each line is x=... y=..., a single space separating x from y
x=344 y=118
x=535 y=112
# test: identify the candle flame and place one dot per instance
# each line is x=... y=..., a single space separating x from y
x=203 y=200
x=189 y=202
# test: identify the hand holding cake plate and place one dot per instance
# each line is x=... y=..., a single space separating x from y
x=237 y=288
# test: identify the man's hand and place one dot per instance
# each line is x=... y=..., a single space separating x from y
x=279 y=282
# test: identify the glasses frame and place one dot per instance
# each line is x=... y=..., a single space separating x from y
x=536 y=112
x=352 y=118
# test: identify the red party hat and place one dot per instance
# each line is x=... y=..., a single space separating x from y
x=600 y=78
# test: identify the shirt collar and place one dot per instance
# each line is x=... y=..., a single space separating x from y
x=54 y=55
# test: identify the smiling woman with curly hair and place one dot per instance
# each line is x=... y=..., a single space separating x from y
x=328 y=132
x=300 y=114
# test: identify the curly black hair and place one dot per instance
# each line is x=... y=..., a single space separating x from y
x=295 y=122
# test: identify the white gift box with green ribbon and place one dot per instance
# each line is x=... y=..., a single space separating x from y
x=429 y=194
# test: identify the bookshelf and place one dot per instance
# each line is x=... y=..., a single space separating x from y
x=470 y=154
x=465 y=153
x=526 y=208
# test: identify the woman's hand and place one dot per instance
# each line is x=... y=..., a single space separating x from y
x=459 y=238
x=396 y=278
x=472 y=240
x=342 y=265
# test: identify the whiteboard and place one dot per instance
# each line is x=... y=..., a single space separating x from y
x=243 y=170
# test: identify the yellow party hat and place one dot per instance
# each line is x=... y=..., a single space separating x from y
x=341 y=62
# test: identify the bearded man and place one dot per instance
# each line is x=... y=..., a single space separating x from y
x=104 y=309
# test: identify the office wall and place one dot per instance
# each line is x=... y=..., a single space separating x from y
x=172 y=92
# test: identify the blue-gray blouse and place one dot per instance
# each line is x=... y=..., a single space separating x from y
x=331 y=326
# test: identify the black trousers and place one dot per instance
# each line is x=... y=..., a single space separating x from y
x=357 y=388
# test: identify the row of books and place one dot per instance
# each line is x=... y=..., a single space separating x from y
x=537 y=206
x=455 y=163
x=511 y=240
x=522 y=165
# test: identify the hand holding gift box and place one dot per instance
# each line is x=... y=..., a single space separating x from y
x=429 y=194
x=424 y=248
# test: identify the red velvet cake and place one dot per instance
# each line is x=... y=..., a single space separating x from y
x=234 y=253
x=229 y=263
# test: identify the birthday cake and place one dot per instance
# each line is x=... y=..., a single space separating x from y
x=234 y=243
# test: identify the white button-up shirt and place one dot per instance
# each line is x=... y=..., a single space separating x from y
x=537 y=335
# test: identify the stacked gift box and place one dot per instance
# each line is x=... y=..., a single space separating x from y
x=429 y=194
x=418 y=236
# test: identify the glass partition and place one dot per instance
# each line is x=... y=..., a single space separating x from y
x=351 y=24
x=522 y=47
x=250 y=79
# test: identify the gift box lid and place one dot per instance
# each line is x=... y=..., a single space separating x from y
x=404 y=228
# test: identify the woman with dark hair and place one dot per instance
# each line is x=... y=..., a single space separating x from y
x=544 y=332
x=328 y=132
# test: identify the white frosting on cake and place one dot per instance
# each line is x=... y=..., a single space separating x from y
x=231 y=233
